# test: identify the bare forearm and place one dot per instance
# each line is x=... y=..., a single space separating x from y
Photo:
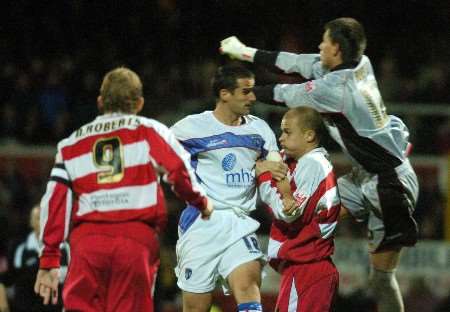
x=284 y=188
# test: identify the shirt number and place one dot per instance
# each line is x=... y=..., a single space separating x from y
x=374 y=102
x=108 y=157
x=251 y=243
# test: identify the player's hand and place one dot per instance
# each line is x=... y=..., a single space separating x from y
x=206 y=213
x=284 y=188
x=46 y=285
x=277 y=169
x=236 y=49
x=289 y=206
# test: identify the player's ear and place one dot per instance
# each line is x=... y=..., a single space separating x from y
x=337 y=49
x=224 y=94
x=310 y=135
x=100 y=103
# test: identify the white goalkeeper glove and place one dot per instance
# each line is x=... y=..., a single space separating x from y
x=236 y=49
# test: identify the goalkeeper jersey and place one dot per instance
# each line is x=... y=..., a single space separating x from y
x=350 y=102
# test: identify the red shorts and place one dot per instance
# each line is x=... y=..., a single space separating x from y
x=111 y=272
x=308 y=287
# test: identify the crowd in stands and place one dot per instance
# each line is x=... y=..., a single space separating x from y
x=53 y=64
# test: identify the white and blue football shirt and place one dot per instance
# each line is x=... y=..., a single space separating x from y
x=223 y=156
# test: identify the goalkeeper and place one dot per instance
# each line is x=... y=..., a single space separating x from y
x=382 y=187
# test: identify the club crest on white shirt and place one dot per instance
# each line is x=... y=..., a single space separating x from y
x=188 y=273
x=228 y=162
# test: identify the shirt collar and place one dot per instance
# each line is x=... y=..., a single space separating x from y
x=348 y=65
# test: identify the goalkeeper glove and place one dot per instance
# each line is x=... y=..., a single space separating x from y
x=236 y=49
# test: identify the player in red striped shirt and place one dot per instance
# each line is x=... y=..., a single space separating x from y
x=306 y=207
x=104 y=196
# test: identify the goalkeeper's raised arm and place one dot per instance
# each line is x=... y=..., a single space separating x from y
x=308 y=65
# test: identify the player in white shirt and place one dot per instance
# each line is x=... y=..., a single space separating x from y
x=224 y=145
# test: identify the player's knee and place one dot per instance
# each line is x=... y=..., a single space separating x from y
x=247 y=292
x=379 y=280
x=248 y=286
x=386 y=291
x=247 y=289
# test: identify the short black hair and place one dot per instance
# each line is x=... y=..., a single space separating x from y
x=350 y=36
x=226 y=77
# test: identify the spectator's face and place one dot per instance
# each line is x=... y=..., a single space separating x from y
x=241 y=99
x=328 y=51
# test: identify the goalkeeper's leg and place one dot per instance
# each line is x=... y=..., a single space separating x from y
x=383 y=282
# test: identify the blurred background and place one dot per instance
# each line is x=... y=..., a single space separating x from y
x=53 y=55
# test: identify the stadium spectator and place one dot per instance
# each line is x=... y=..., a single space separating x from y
x=306 y=209
x=25 y=265
x=382 y=188
x=104 y=184
x=433 y=82
x=442 y=137
x=224 y=145
x=430 y=209
x=4 y=305
x=53 y=105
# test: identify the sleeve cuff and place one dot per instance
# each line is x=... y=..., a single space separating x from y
x=49 y=262
x=275 y=264
x=264 y=177
x=266 y=95
x=265 y=58
x=201 y=204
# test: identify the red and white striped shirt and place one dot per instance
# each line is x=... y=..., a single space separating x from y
x=308 y=235
x=107 y=171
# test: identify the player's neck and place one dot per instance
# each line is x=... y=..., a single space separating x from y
x=342 y=65
x=226 y=117
x=308 y=149
x=119 y=112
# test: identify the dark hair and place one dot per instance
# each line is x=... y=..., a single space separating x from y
x=350 y=36
x=226 y=78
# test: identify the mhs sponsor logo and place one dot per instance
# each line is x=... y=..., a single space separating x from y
x=239 y=178
x=236 y=178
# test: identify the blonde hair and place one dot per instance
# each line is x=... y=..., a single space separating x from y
x=121 y=88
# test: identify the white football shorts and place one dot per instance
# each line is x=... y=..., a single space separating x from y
x=209 y=250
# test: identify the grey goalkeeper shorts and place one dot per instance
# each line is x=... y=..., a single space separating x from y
x=386 y=201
